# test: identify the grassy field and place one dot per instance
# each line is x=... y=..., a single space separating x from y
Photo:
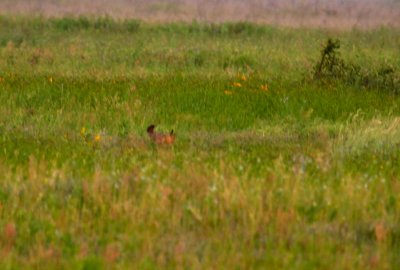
x=275 y=165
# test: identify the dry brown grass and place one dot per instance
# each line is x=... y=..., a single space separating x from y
x=293 y=13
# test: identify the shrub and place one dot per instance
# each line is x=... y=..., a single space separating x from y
x=332 y=67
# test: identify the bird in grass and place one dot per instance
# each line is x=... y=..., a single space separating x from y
x=160 y=138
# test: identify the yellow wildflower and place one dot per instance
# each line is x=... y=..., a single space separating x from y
x=227 y=92
x=237 y=84
x=264 y=87
x=97 y=138
x=243 y=77
x=83 y=131
x=51 y=79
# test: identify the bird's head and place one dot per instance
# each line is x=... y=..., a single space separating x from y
x=150 y=129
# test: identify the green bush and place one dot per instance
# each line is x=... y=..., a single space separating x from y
x=331 y=67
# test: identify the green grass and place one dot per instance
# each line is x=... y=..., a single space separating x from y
x=279 y=172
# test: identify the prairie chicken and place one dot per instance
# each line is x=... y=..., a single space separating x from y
x=160 y=138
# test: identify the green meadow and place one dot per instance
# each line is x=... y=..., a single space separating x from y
x=285 y=157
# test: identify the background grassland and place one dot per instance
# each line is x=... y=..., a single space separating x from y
x=270 y=168
x=335 y=14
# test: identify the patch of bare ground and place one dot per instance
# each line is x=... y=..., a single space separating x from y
x=336 y=14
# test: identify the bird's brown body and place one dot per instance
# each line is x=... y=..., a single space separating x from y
x=160 y=138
